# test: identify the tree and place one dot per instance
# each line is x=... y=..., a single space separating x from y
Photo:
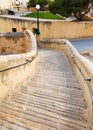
x=66 y=8
x=31 y=3
x=42 y=3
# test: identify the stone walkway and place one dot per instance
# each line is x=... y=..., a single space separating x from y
x=50 y=100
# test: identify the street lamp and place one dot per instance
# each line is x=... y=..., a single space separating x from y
x=37 y=30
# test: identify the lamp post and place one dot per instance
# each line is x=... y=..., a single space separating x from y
x=37 y=30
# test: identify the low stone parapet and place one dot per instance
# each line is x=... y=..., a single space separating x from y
x=16 y=68
x=82 y=67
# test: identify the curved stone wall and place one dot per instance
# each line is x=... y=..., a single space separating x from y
x=82 y=67
x=84 y=71
x=16 y=68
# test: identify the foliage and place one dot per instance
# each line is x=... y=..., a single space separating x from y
x=66 y=8
x=42 y=3
x=44 y=15
x=31 y=3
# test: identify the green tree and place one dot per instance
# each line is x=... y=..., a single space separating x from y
x=66 y=8
x=42 y=3
x=31 y=3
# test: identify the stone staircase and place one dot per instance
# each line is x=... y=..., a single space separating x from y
x=50 y=100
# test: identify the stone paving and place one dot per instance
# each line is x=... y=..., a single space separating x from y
x=51 y=100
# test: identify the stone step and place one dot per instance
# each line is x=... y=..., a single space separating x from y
x=48 y=105
x=53 y=96
x=61 y=90
x=55 y=88
x=52 y=107
x=68 y=101
x=57 y=82
x=55 y=73
x=55 y=77
x=13 y=119
x=39 y=115
x=9 y=126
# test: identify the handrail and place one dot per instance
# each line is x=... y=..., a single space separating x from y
x=85 y=63
x=27 y=61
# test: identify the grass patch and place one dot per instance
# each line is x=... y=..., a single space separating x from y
x=44 y=15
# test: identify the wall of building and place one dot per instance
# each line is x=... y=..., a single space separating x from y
x=23 y=2
x=48 y=29
x=4 y=4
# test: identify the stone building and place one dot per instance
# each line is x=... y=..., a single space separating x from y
x=20 y=2
x=11 y=3
x=4 y=4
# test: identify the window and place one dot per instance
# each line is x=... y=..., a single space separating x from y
x=34 y=30
x=14 y=30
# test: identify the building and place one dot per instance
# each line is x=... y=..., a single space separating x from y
x=23 y=2
x=6 y=4
x=11 y=3
x=20 y=2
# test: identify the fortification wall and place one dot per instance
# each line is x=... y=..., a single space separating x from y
x=48 y=29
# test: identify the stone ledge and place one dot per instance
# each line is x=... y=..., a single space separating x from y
x=12 y=34
x=91 y=54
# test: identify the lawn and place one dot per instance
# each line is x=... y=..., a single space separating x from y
x=44 y=15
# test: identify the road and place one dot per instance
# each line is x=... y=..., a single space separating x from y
x=83 y=44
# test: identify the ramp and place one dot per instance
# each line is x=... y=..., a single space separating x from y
x=51 y=100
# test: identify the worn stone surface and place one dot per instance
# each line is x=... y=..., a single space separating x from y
x=50 y=100
x=12 y=34
x=12 y=42
x=15 y=43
